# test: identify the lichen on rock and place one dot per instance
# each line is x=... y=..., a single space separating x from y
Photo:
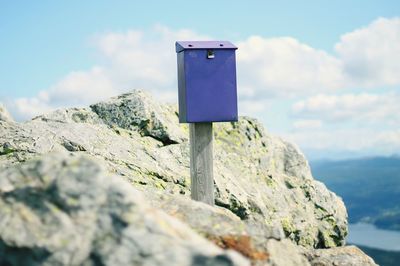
x=65 y=210
x=268 y=204
x=259 y=177
x=138 y=111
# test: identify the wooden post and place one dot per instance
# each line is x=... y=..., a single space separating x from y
x=201 y=162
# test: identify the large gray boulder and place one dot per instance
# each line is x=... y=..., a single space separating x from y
x=265 y=193
x=138 y=111
x=65 y=210
x=259 y=177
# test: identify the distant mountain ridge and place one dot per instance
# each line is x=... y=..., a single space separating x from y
x=370 y=188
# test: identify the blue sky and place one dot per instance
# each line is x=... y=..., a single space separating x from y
x=48 y=47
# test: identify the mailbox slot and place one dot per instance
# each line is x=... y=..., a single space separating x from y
x=210 y=54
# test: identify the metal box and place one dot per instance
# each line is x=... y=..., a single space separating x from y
x=207 y=81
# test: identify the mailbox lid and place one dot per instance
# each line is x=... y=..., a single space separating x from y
x=192 y=45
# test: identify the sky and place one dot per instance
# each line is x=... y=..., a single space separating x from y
x=322 y=74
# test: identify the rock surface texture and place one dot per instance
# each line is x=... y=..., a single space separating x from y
x=66 y=211
x=344 y=256
x=4 y=114
x=69 y=211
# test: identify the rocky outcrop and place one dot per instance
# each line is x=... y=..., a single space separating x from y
x=263 y=185
x=139 y=112
x=255 y=241
x=4 y=114
x=64 y=210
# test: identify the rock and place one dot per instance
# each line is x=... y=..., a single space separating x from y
x=260 y=177
x=138 y=111
x=219 y=225
x=339 y=256
x=262 y=244
x=263 y=180
x=285 y=253
x=71 y=115
x=264 y=188
x=63 y=209
x=4 y=114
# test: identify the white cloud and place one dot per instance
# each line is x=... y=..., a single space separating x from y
x=253 y=107
x=26 y=108
x=75 y=89
x=143 y=59
x=386 y=142
x=371 y=55
x=364 y=107
x=81 y=87
x=268 y=69
x=363 y=123
x=130 y=60
x=389 y=139
x=305 y=124
x=284 y=67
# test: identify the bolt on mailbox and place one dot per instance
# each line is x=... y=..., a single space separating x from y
x=207 y=81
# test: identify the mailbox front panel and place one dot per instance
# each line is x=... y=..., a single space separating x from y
x=210 y=86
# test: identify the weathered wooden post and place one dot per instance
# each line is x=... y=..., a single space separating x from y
x=201 y=162
x=207 y=93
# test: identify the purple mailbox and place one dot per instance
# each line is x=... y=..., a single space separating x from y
x=207 y=81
